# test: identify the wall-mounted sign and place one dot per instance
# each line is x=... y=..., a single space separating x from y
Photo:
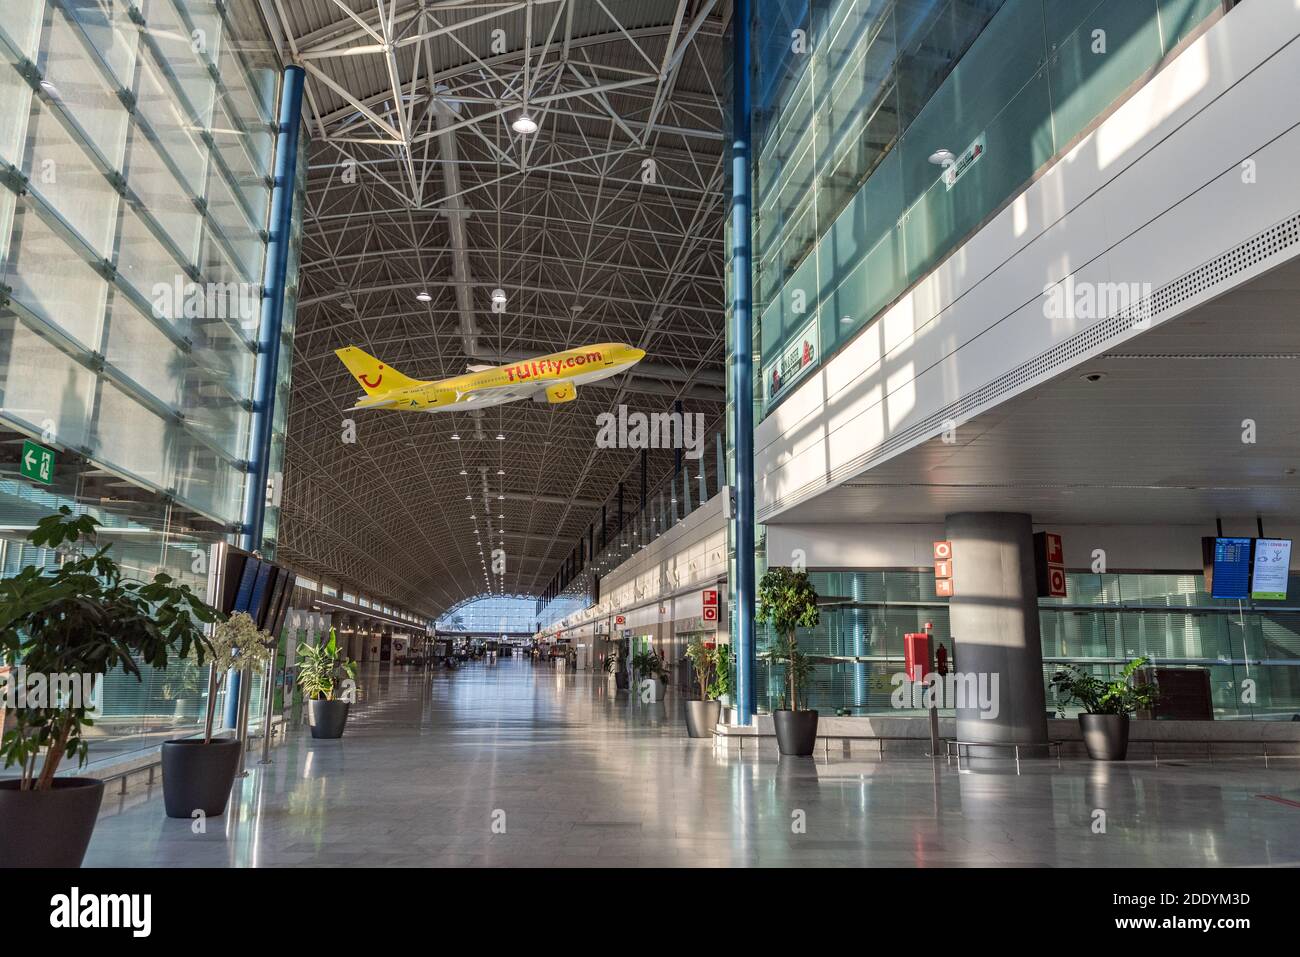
x=1227 y=567
x=795 y=359
x=1272 y=566
x=36 y=463
x=943 y=569
x=710 y=596
x=710 y=612
x=1049 y=564
x=962 y=164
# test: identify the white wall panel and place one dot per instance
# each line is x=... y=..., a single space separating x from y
x=1152 y=193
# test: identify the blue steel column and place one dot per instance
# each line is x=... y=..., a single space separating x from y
x=269 y=328
x=742 y=371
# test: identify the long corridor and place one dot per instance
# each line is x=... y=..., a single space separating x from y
x=517 y=764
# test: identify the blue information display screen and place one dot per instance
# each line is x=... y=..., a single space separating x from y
x=1231 y=568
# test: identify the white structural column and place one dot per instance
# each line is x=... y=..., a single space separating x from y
x=993 y=615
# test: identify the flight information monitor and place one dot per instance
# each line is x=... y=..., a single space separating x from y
x=1231 y=577
x=1272 y=566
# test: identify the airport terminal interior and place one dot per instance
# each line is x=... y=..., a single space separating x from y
x=875 y=423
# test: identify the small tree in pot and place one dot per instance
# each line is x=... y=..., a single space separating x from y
x=199 y=772
x=702 y=715
x=324 y=675
x=1106 y=706
x=648 y=666
x=70 y=627
x=787 y=601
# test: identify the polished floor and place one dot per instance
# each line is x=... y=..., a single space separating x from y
x=516 y=764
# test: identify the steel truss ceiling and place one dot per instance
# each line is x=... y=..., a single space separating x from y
x=605 y=224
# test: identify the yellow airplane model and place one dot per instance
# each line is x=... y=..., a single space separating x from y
x=551 y=378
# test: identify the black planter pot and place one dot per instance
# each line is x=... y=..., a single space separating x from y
x=48 y=828
x=701 y=716
x=1105 y=736
x=328 y=718
x=620 y=680
x=198 y=776
x=796 y=731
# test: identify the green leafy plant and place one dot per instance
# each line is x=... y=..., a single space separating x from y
x=648 y=664
x=1097 y=696
x=84 y=618
x=721 y=686
x=322 y=669
x=787 y=601
x=236 y=644
x=704 y=658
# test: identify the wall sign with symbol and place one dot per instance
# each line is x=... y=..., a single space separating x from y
x=943 y=569
x=1049 y=565
x=36 y=463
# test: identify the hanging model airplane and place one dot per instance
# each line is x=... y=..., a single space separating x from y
x=552 y=378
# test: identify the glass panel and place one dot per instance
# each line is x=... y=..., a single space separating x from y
x=63 y=175
x=47 y=277
x=56 y=402
x=73 y=80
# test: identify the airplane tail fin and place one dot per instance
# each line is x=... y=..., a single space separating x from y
x=375 y=377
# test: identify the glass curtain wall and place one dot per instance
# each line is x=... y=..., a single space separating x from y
x=491 y=615
x=136 y=142
x=1106 y=621
x=887 y=131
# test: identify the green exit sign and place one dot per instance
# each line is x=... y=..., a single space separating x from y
x=37 y=463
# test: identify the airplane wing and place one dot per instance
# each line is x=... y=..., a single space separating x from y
x=496 y=394
x=386 y=401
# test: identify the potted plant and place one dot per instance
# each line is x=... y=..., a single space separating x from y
x=1106 y=706
x=647 y=665
x=322 y=672
x=787 y=600
x=702 y=715
x=198 y=772
x=72 y=626
x=721 y=687
x=616 y=665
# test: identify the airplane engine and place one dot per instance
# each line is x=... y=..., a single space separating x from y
x=561 y=392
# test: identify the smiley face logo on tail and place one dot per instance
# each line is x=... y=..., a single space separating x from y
x=365 y=380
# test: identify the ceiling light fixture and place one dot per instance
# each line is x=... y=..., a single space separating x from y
x=942 y=157
x=423 y=296
x=524 y=123
x=455 y=436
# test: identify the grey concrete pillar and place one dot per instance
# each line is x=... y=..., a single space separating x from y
x=993 y=614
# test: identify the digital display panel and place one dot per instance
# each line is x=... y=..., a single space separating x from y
x=1231 y=578
x=247 y=581
x=1272 y=566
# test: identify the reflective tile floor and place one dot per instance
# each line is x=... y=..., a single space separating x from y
x=516 y=764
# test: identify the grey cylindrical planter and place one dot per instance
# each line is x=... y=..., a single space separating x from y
x=198 y=776
x=701 y=717
x=796 y=732
x=1105 y=736
x=620 y=680
x=48 y=828
x=328 y=718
